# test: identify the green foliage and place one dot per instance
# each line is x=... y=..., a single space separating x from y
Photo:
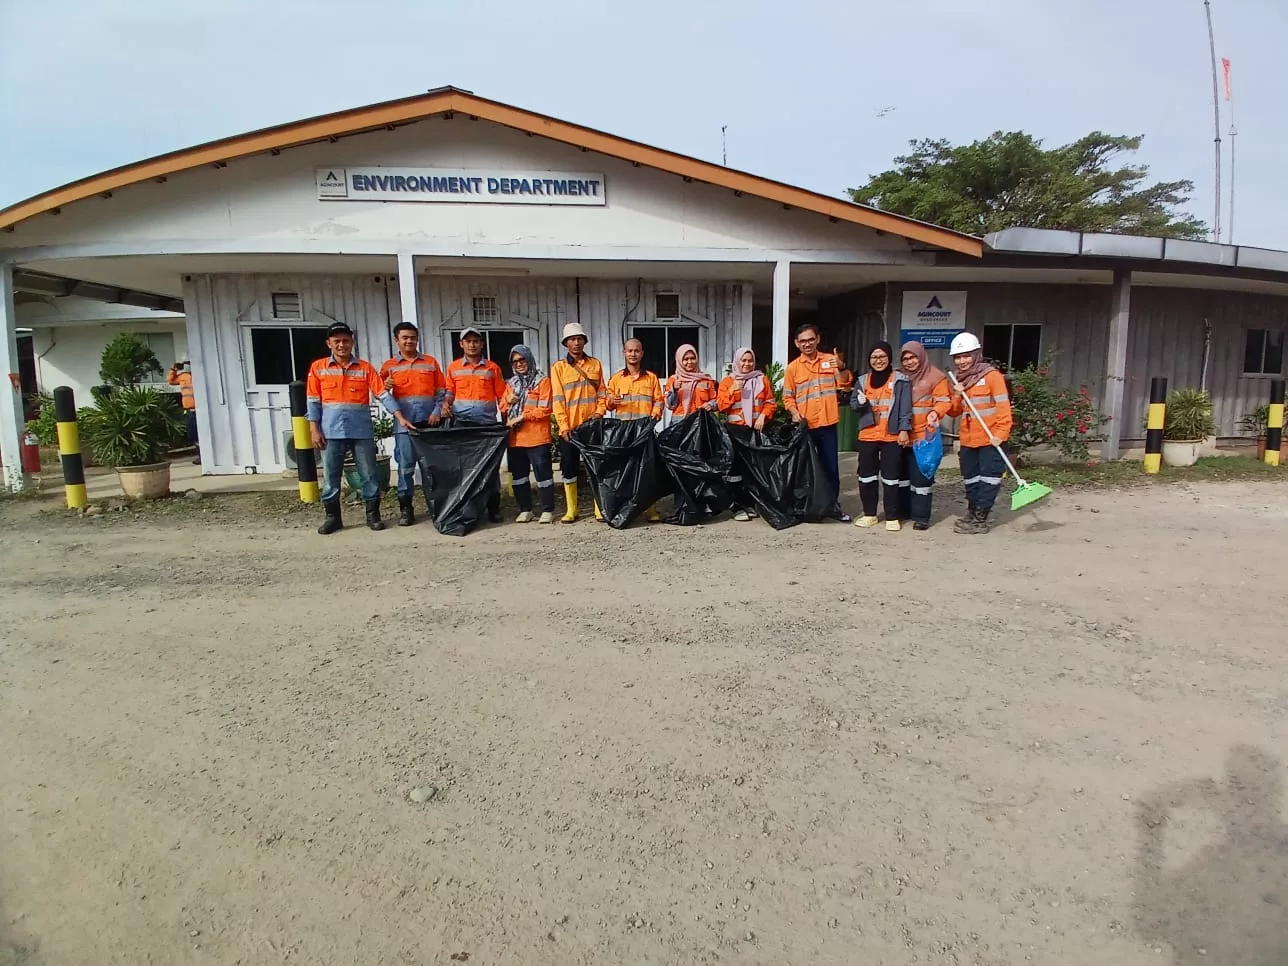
x=44 y=425
x=1188 y=416
x=1047 y=415
x=383 y=425
x=774 y=372
x=134 y=426
x=1010 y=180
x=127 y=360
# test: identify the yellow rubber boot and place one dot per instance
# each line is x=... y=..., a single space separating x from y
x=651 y=515
x=599 y=514
x=570 y=497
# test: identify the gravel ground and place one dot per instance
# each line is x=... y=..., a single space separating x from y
x=230 y=741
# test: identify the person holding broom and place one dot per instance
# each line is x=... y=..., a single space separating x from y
x=978 y=395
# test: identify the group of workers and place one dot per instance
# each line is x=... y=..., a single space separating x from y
x=896 y=405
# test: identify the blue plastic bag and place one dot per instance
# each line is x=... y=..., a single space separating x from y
x=928 y=451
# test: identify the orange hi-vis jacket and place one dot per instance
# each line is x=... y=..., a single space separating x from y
x=937 y=401
x=419 y=386
x=993 y=403
x=339 y=397
x=881 y=400
x=474 y=389
x=703 y=393
x=729 y=401
x=578 y=391
x=184 y=381
x=534 y=430
x=641 y=395
x=809 y=388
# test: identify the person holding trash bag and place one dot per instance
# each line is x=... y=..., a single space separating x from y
x=527 y=413
x=577 y=382
x=418 y=385
x=339 y=391
x=810 y=387
x=981 y=463
x=689 y=389
x=747 y=399
x=475 y=387
x=883 y=399
x=930 y=399
x=635 y=393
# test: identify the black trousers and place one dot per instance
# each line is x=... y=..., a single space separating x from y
x=881 y=473
x=569 y=461
x=534 y=460
x=918 y=496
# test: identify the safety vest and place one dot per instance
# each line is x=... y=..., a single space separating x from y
x=936 y=401
x=578 y=391
x=419 y=386
x=881 y=400
x=703 y=392
x=641 y=395
x=184 y=381
x=809 y=388
x=535 y=428
x=993 y=403
x=474 y=388
x=729 y=401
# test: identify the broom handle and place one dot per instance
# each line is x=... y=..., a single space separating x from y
x=991 y=438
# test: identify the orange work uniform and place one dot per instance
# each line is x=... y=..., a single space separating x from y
x=419 y=386
x=641 y=395
x=578 y=391
x=729 y=401
x=809 y=389
x=881 y=400
x=936 y=401
x=184 y=381
x=474 y=389
x=993 y=403
x=534 y=430
x=704 y=391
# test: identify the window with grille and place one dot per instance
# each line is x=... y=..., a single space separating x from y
x=287 y=305
x=280 y=355
x=1263 y=352
x=1013 y=347
x=666 y=305
x=485 y=310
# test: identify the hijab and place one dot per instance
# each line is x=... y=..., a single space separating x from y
x=752 y=383
x=519 y=385
x=927 y=377
x=685 y=382
x=878 y=379
x=977 y=371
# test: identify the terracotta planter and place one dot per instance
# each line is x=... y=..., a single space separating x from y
x=1181 y=452
x=1283 y=450
x=145 y=482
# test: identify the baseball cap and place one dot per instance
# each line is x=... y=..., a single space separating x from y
x=470 y=330
x=338 y=328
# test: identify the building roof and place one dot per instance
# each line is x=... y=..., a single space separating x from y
x=1046 y=241
x=448 y=100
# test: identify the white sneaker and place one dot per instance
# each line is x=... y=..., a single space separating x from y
x=893 y=526
x=742 y=516
x=866 y=522
x=547 y=518
x=524 y=517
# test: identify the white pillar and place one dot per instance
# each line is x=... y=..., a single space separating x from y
x=782 y=302
x=1116 y=365
x=11 y=422
x=407 y=293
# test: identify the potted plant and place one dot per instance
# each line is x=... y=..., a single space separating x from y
x=1186 y=425
x=131 y=431
x=1254 y=424
x=383 y=426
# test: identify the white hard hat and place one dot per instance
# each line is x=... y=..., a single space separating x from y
x=964 y=342
x=570 y=329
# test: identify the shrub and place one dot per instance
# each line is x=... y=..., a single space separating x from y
x=1047 y=415
x=127 y=360
x=44 y=425
x=133 y=426
x=1189 y=415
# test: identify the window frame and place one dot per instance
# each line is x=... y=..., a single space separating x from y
x=248 y=351
x=664 y=319
x=1009 y=368
x=153 y=379
x=1265 y=339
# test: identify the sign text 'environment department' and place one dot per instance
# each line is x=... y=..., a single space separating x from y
x=461 y=186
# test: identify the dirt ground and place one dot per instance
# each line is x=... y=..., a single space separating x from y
x=1061 y=743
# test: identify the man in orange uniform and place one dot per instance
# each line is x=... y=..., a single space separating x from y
x=981 y=463
x=578 y=385
x=635 y=393
x=339 y=392
x=475 y=388
x=809 y=394
x=180 y=375
x=419 y=388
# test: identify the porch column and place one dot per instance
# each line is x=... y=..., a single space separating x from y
x=782 y=296
x=407 y=291
x=1116 y=365
x=11 y=422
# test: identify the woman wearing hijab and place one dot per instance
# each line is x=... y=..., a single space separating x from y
x=689 y=389
x=981 y=464
x=747 y=399
x=930 y=400
x=883 y=399
x=526 y=405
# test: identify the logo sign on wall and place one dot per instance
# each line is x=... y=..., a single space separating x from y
x=473 y=186
x=932 y=318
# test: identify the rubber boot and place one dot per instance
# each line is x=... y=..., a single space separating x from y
x=333 y=522
x=651 y=515
x=494 y=508
x=406 y=512
x=599 y=514
x=373 y=515
x=570 y=498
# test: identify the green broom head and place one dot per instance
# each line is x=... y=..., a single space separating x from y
x=1028 y=494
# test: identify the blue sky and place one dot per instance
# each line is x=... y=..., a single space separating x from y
x=89 y=84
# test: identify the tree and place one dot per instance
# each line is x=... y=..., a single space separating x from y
x=126 y=360
x=1010 y=180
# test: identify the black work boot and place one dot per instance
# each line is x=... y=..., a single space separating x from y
x=981 y=520
x=373 y=515
x=406 y=514
x=332 y=523
x=494 y=508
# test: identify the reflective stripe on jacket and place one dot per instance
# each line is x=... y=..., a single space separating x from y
x=993 y=403
x=184 y=381
x=703 y=393
x=419 y=387
x=641 y=395
x=535 y=428
x=339 y=397
x=809 y=388
x=936 y=401
x=729 y=400
x=474 y=389
x=880 y=400
x=578 y=391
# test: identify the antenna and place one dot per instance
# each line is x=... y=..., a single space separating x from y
x=724 y=147
x=1216 y=119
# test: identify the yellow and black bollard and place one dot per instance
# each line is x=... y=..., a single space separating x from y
x=69 y=451
x=1154 y=425
x=305 y=455
x=1275 y=422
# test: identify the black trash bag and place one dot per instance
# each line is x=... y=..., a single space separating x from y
x=463 y=462
x=782 y=473
x=698 y=455
x=626 y=474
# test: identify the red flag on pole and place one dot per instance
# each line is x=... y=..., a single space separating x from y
x=1225 y=69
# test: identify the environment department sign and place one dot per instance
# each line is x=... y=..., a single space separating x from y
x=933 y=318
x=474 y=186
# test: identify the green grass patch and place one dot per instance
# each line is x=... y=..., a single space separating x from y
x=1132 y=472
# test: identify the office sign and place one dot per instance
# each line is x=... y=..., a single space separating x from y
x=932 y=318
x=461 y=186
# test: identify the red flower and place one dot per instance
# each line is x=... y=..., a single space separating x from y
x=1061 y=416
x=1050 y=433
x=1082 y=427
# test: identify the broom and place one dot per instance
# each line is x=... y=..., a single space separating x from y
x=1025 y=493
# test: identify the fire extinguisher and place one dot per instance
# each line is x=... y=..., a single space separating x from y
x=30 y=450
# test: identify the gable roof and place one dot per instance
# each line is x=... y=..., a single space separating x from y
x=448 y=100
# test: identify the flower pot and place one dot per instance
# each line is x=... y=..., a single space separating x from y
x=1283 y=449
x=1181 y=452
x=355 y=481
x=144 y=482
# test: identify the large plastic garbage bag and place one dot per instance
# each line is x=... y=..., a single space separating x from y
x=782 y=473
x=621 y=458
x=698 y=455
x=928 y=451
x=463 y=462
